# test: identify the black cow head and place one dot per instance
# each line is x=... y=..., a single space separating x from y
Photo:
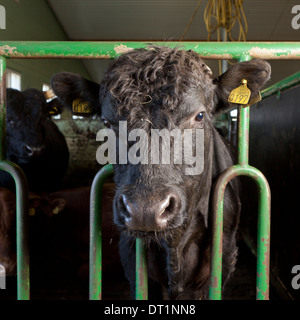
x=154 y=89
x=28 y=114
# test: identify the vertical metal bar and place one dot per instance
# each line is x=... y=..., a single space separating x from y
x=2 y=108
x=263 y=239
x=263 y=234
x=264 y=209
x=95 y=267
x=243 y=135
x=22 y=231
x=22 y=235
x=243 y=128
x=23 y=282
x=215 y=287
x=141 y=271
x=95 y=285
x=217 y=230
x=224 y=62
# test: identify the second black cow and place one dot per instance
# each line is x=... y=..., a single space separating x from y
x=33 y=141
x=160 y=89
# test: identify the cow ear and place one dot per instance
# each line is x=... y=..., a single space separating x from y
x=76 y=92
x=256 y=72
x=54 y=107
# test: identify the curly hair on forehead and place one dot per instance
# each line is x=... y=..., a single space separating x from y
x=156 y=74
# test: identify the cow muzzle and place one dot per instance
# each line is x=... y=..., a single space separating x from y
x=33 y=151
x=155 y=212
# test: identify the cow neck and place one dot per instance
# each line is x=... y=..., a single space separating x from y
x=181 y=240
x=223 y=155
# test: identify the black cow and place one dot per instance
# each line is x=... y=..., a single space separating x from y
x=163 y=88
x=34 y=142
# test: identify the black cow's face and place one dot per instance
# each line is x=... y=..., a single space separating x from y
x=153 y=196
x=26 y=120
x=160 y=91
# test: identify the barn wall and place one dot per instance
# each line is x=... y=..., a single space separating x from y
x=81 y=140
x=275 y=150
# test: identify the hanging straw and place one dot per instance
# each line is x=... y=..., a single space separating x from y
x=222 y=14
x=225 y=14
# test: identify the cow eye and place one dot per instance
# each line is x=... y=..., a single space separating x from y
x=106 y=123
x=199 y=116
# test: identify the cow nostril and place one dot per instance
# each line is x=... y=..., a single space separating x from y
x=125 y=207
x=172 y=205
x=33 y=151
x=147 y=214
x=28 y=150
x=167 y=211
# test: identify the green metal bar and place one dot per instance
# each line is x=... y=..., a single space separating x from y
x=243 y=135
x=141 y=271
x=263 y=238
x=263 y=233
x=2 y=108
x=95 y=287
x=264 y=207
x=23 y=282
x=243 y=129
x=109 y=50
x=282 y=85
x=96 y=243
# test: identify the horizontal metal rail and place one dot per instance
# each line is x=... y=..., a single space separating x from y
x=282 y=85
x=110 y=50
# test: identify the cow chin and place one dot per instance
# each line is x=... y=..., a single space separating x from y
x=152 y=236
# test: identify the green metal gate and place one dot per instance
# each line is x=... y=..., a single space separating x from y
x=109 y=50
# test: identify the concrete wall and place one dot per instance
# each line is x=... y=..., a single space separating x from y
x=81 y=140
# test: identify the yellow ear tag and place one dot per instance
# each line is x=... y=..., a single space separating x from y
x=54 y=111
x=55 y=210
x=241 y=94
x=32 y=211
x=81 y=107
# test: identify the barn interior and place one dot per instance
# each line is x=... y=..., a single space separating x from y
x=274 y=126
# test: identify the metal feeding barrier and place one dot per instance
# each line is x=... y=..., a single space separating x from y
x=109 y=50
